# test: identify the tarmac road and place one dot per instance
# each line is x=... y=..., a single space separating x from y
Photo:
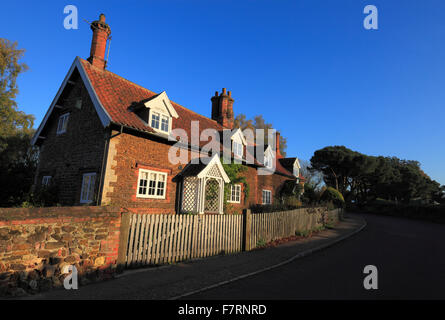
x=409 y=256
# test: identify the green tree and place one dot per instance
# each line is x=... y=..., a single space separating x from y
x=258 y=122
x=364 y=178
x=11 y=119
x=18 y=159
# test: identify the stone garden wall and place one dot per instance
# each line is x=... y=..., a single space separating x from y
x=36 y=244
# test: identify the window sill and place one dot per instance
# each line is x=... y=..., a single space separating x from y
x=150 y=197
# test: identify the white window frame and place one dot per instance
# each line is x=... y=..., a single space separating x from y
x=237 y=146
x=264 y=198
x=89 y=193
x=234 y=195
x=62 y=125
x=46 y=181
x=147 y=186
x=161 y=116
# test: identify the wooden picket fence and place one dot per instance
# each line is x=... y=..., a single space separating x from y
x=148 y=239
x=266 y=227
x=159 y=239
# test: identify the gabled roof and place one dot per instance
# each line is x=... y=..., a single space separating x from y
x=117 y=95
x=161 y=102
x=201 y=169
x=101 y=111
x=290 y=162
x=238 y=135
x=114 y=99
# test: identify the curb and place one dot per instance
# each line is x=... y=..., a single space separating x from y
x=297 y=256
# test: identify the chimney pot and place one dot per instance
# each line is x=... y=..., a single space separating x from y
x=229 y=93
x=101 y=32
x=222 y=109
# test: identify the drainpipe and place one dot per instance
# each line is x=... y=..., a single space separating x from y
x=104 y=163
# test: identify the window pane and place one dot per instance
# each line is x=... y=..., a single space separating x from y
x=164 y=125
x=65 y=123
x=91 y=187
x=160 y=188
x=152 y=184
x=155 y=120
x=266 y=197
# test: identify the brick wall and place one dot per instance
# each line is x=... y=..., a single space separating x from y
x=270 y=182
x=36 y=244
x=79 y=150
x=129 y=153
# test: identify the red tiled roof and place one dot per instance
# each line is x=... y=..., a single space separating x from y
x=117 y=95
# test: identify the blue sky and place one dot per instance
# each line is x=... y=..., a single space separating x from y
x=307 y=66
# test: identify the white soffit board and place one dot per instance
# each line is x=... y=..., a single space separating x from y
x=103 y=115
x=215 y=160
x=162 y=103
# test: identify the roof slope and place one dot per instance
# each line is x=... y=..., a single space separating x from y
x=117 y=96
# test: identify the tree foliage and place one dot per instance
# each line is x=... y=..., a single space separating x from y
x=258 y=122
x=361 y=178
x=18 y=159
x=11 y=119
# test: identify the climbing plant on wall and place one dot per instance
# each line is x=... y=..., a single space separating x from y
x=234 y=172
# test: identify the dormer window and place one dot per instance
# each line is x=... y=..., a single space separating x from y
x=268 y=157
x=297 y=168
x=160 y=122
x=296 y=171
x=157 y=112
x=238 y=143
x=237 y=149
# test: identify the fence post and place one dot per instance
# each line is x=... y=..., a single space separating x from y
x=123 y=240
x=247 y=223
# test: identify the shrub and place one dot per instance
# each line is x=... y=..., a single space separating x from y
x=291 y=201
x=267 y=208
x=261 y=243
x=434 y=213
x=43 y=197
x=334 y=196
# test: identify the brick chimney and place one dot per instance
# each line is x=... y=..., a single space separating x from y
x=101 y=32
x=222 y=108
x=278 y=144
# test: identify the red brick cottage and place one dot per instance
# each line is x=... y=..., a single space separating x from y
x=105 y=140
